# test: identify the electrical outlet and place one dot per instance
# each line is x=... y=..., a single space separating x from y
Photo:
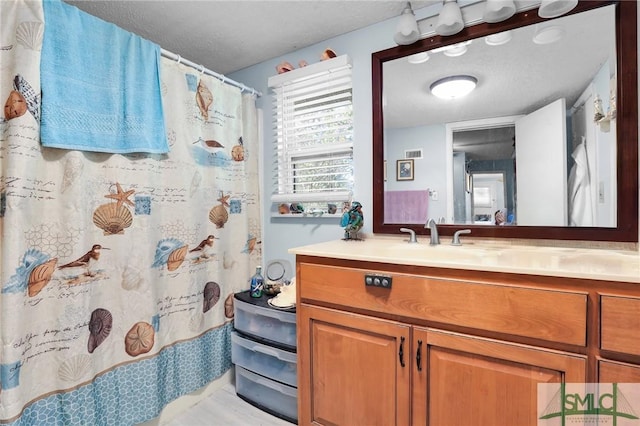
x=434 y=195
x=373 y=280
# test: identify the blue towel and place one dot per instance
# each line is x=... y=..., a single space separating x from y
x=100 y=85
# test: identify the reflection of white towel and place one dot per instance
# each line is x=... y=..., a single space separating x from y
x=580 y=213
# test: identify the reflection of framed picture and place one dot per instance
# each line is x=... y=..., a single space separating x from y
x=404 y=169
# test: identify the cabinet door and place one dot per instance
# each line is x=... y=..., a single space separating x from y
x=466 y=380
x=350 y=369
x=618 y=372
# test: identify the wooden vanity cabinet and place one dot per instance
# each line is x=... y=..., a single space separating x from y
x=619 y=338
x=466 y=380
x=353 y=369
x=408 y=355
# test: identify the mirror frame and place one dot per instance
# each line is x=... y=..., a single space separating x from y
x=626 y=229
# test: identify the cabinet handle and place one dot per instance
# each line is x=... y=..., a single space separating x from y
x=401 y=351
x=419 y=356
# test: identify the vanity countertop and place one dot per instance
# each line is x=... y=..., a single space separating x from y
x=595 y=264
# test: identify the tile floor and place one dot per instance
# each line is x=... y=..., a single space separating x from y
x=225 y=408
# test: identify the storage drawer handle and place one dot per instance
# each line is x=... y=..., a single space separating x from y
x=266 y=351
x=401 y=351
x=270 y=385
x=419 y=355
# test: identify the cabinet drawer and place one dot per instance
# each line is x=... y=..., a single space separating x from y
x=265 y=324
x=268 y=395
x=271 y=362
x=620 y=324
x=551 y=315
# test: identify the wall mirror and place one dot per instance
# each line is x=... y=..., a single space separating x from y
x=547 y=142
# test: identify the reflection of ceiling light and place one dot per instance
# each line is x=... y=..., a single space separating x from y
x=456 y=50
x=555 y=8
x=498 y=10
x=450 y=19
x=407 y=29
x=547 y=35
x=418 y=58
x=453 y=49
x=454 y=87
x=498 y=39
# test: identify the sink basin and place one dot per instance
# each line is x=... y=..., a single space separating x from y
x=443 y=253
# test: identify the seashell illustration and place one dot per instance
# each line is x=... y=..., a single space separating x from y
x=29 y=34
x=74 y=368
x=31 y=97
x=15 y=106
x=228 y=306
x=73 y=166
x=302 y=63
x=112 y=218
x=196 y=180
x=40 y=276
x=131 y=278
x=211 y=295
x=165 y=248
x=237 y=152
x=227 y=261
x=196 y=322
x=219 y=215
x=204 y=99
x=99 y=328
x=19 y=282
x=176 y=258
x=140 y=339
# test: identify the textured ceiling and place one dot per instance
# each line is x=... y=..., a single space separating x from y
x=226 y=36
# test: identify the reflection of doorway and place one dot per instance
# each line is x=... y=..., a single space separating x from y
x=488 y=196
x=480 y=146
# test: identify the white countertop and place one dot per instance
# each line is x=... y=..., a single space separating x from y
x=597 y=264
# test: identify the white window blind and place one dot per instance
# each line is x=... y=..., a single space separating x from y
x=313 y=125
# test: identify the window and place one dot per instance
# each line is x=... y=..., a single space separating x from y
x=313 y=124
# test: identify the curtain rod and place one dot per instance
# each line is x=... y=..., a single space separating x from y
x=202 y=69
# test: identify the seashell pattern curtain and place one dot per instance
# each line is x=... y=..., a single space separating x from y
x=117 y=272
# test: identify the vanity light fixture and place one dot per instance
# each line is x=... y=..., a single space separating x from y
x=498 y=10
x=450 y=19
x=407 y=29
x=453 y=87
x=555 y=8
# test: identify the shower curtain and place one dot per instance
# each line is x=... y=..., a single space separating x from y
x=117 y=272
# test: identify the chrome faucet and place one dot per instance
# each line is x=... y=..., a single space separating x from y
x=412 y=234
x=433 y=228
x=456 y=236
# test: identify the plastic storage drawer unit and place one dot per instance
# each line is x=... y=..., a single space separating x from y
x=274 y=363
x=268 y=395
x=265 y=323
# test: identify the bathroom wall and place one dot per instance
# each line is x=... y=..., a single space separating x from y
x=280 y=234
